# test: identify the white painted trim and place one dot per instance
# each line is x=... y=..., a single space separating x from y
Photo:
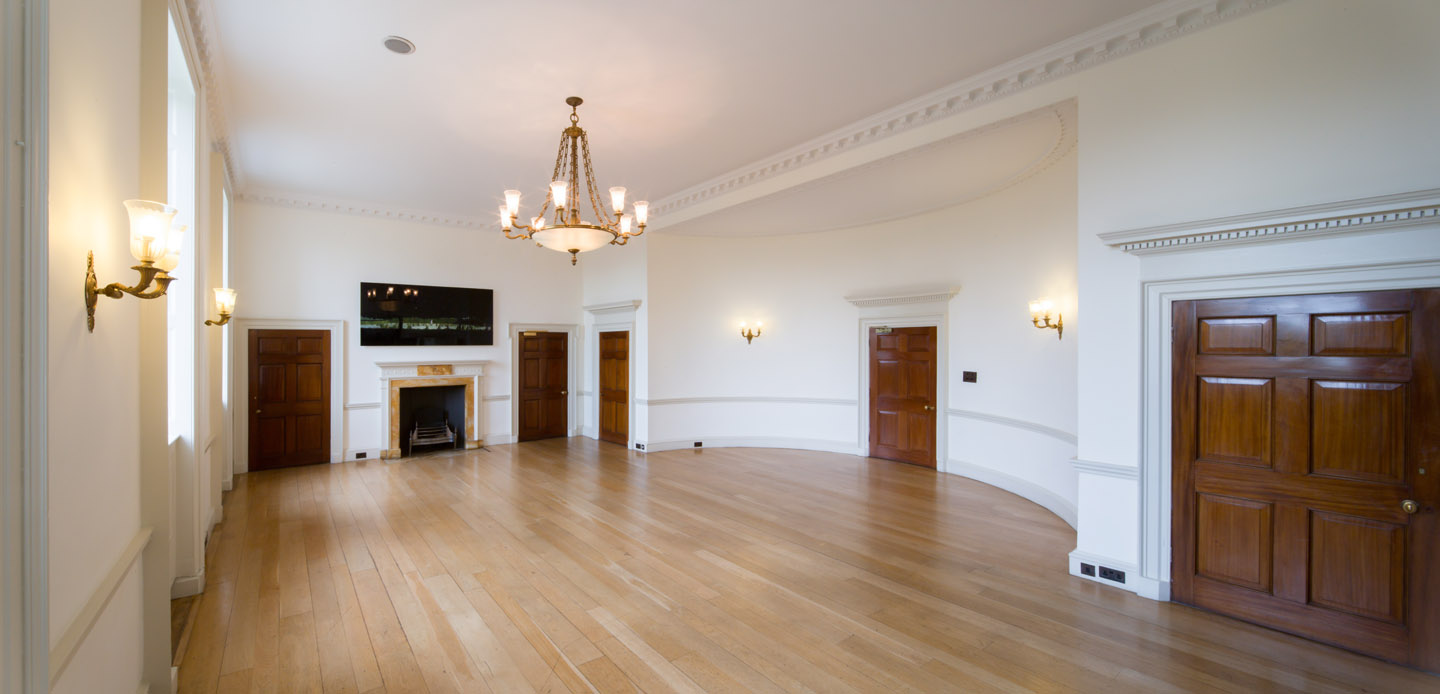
x=1057 y=434
x=361 y=406
x=908 y=315
x=751 y=399
x=74 y=634
x=1155 y=400
x=1347 y=217
x=301 y=201
x=1134 y=581
x=186 y=586
x=504 y=397
x=499 y=438
x=612 y=317
x=1023 y=488
x=24 y=247
x=1149 y=27
x=207 y=65
x=901 y=299
x=574 y=348
x=240 y=382
x=845 y=447
x=1091 y=467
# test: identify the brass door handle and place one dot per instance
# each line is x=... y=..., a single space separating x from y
x=257 y=411
x=564 y=392
x=1409 y=506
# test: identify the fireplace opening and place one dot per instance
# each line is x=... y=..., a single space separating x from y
x=432 y=419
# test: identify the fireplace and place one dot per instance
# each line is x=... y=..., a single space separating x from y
x=466 y=379
x=431 y=418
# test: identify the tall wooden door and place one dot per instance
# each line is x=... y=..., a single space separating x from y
x=903 y=372
x=1306 y=466
x=615 y=387
x=289 y=398
x=544 y=400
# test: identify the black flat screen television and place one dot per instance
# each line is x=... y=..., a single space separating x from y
x=413 y=314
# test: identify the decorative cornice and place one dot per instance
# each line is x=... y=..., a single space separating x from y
x=1347 y=217
x=753 y=399
x=207 y=45
x=1138 y=31
x=901 y=299
x=1052 y=432
x=364 y=209
x=1090 y=467
x=614 y=308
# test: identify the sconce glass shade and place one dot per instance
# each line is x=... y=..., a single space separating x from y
x=173 y=245
x=149 y=229
x=224 y=300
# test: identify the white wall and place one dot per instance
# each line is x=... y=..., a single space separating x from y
x=610 y=275
x=302 y=264
x=1003 y=250
x=93 y=441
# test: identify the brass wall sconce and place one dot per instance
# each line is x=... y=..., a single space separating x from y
x=750 y=333
x=224 y=305
x=153 y=242
x=1040 y=316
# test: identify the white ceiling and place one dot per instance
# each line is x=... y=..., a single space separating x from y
x=676 y=92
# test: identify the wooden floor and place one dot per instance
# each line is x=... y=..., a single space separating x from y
x=570 y=565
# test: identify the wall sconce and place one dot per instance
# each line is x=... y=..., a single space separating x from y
x=224 y=305
x=750 y=333
x=1040 y=315
x=153 y=242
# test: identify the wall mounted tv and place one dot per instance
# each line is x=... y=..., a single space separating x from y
x=413 y=314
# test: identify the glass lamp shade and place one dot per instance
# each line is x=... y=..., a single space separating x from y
x=224 y=300
x=617 y=199
x=149 y=229
x=504 y=217
x=512 y=202
x=171 y=259
x=642 y=212
x=625 y=225
x=557 y=193
x=567 y=239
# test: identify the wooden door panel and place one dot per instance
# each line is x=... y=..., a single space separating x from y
x=1301 y=424
x=1235 y=540
x=289 y=397
x=1358 y=430
x=614 y=360
x=1357 y=565
x=1365 y=334
x=903 y=407
x=1235 y=420
x=1244 y=335
x=309 y=382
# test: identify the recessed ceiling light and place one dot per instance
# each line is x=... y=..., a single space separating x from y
x=399 y=44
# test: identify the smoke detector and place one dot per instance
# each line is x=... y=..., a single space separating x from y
x=399 y=44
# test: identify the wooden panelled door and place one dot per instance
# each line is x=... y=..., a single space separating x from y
x=544 y=373
x=615 y=387
x=1306 y=466
x=289 y=398
x=903 y=371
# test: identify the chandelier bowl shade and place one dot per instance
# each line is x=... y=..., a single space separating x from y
x=573 y=239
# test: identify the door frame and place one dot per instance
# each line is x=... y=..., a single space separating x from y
x=573 y=347
x=941 y=323
x=616 y=317
x=1156 y=406
x=240 y=384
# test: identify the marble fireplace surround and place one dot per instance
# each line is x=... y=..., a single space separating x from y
x=396 y=375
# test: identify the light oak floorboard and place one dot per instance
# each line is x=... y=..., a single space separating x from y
x=572 y=566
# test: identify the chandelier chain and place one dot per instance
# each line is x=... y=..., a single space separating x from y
x=601 y=211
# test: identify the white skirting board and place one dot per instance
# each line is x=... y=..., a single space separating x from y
x=1026 y=489
x=1134 y=582
x=185 y=586
x=370 y=454
x=846 y=447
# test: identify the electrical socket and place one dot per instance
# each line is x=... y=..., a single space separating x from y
x=697 y=444
x=1110 y=574
x=1087 y=569
x=360 y=456
x=639 y=446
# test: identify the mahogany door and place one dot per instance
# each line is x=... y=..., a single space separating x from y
x=615 y=387
x=544 y=399
x=289 y=398
x=903 y=371
x=1305 y=427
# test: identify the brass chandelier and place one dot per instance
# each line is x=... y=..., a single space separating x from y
x=567 y=232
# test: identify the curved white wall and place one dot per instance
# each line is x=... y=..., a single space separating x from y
x=798 y=384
